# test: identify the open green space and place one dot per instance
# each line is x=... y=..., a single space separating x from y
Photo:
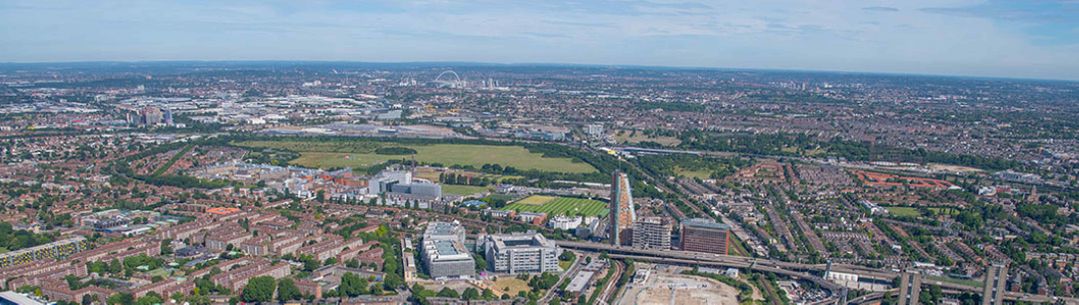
x=536 y=200
x=904 y=211
x=565 y=264
x=509 y=285
x=693 y=173
x=635 y=138
x=964 y=282
x=176 y=157
x=693 y=166
x=944 y=211
x=560 y=206
x=915 y=212
x=462 y=190
x=362 y=154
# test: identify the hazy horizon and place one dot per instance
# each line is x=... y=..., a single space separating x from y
x=1000 y=39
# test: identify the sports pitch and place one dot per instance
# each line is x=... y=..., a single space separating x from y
x=559 y=206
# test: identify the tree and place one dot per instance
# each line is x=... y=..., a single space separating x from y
x=481 y=264
x=391 y=281
x=115 y=267
x=470 y=294
x=931 y=295
x=120 y=299
x=166 y=247
x=447 y=293
x=72 y=282
x=88 y=299
x=566 y=255
x=353 y=285
x=259 y=289
x=309 y=263
x=287 y=290
x=150 y=298
x=377 y=290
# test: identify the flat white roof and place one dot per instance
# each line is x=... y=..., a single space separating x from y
x=18 y=299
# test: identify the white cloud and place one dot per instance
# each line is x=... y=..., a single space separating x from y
x=887 y=36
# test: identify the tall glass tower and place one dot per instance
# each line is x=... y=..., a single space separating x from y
x=622 y=214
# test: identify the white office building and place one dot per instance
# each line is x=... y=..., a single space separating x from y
x=444 y=253
x=521 y=253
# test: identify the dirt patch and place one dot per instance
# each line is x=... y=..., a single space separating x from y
x=685 y=290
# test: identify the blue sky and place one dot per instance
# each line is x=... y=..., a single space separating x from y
x=1023 y=38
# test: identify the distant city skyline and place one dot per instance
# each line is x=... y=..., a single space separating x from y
x=1012 y=39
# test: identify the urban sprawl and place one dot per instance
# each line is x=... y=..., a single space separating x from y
x=354 y=183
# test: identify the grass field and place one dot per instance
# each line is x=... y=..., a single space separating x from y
x=700 y=173
x=914 y=212
x=566 y=264
x=904 y=211
x=431 y=173
x=462 y=190
x=361 y=154
x=536 y=200
x=559 y=206
x=509 y=285
x=640 y=137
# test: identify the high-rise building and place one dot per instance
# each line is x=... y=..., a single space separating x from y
x=521 y=253
x=594 y=130
x=705 y=235
x=993 y=290
x=444 y=253
x=622 y=214
x=152 y=116
x=910 y=286
x=168 y=117
x=652 y=233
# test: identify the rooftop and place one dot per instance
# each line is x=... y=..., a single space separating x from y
x=519 y=241
x=437 y=228
x=705 y=224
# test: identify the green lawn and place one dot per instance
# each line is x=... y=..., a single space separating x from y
x=640 y=137
x=158 y=272
x=561 y=206
x=536 y=200
x=904 y=211
x=566 y=264
x=702 y=174
x=914 y=212
x=463 y=190
x=360 y=154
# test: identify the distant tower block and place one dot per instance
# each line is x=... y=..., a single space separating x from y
x=622 y=214
x=910 y=286
x=995 y=278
